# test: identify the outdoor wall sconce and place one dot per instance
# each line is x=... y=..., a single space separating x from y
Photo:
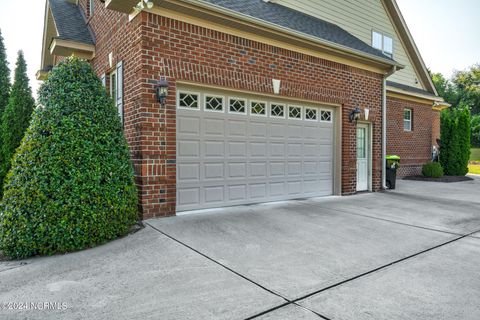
x=161 y=90
x=355 y=115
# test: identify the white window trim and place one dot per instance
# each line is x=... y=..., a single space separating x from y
x=91 y=8
x=258 y=115
x=409 y=121
x=320 y=116
x=311 y=108
x=383 y=35
x=294 y=106
x=285 y=110
x=239 y=99
x=213 y=96
x=199 y=107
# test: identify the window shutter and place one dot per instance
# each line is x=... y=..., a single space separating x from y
x=119 y=98
x=104 y=79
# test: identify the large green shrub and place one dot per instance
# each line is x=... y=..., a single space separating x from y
x=4 y=77
x=432 y=170
x=16 y=117
x=71 y=184
x=455 y=141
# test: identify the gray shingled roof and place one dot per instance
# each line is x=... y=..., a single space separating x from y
x=70 y=22
x=409 y=88
x=297 y=21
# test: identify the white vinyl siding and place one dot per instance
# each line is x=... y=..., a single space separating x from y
x=360 y=18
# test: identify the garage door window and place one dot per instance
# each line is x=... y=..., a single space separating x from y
x=295 y=112
x=277 y=111
x=326 y=116
x=237 y=106
x=311 y=114
x=187 y=100
x=258 y=108
x=214 y=103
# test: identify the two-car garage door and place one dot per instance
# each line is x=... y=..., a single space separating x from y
x=238 y=149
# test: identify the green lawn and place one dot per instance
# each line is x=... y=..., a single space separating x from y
x=474 y=169
x=475 y=156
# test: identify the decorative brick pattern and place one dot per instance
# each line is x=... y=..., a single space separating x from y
x=152 y=46
x=414 y=147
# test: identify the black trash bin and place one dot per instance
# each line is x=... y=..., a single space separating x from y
x=393 y=162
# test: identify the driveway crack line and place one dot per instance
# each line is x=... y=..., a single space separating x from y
x=287 y=301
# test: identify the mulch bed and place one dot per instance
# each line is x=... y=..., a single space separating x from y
x=446 y=179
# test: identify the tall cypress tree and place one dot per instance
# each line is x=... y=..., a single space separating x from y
x=16 y=117
x=4 y=77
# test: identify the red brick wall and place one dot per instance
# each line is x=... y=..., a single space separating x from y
x=152 y=46
x=414 y=147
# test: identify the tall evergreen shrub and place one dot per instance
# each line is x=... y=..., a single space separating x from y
x=16 y=117
x=455 y=137
x=71 y=185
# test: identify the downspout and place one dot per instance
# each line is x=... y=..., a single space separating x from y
x=384 y=126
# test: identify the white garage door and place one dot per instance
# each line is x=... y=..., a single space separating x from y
x=235 y=150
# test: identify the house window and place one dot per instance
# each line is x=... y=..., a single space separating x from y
x=311 y=114
x=214 y=103
x=91 y=7
x=113 y=85
x=407 y=120
x=326 y=116
x=383 y=43
x=237 y=106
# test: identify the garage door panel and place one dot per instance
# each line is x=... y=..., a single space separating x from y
x=237 y=192
x=214 y=127
x=214 y=149
x=258 y=130
x=258 y=170
x=188 y=125
x=258 y=149
x=237 y=149
x=237 y=128
x=214 y=171
x=237 y=170
x=214 y=195
x=189 y=149
x=226 y=158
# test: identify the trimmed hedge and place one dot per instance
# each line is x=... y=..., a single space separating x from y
x=71 y=185
x=432 y=170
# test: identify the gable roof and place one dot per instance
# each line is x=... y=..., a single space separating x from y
x=297 y=21
x=404 y=33
x=70 y=22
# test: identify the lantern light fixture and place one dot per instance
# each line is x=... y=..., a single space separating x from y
x=355 y=115
x=161 y=90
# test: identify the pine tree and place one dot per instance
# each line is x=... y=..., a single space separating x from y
x=4 y=77
x=16 y=117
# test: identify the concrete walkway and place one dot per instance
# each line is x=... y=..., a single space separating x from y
x=413 y=253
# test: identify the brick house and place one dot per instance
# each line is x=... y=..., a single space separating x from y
x=261 y=94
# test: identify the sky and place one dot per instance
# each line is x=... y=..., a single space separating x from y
x=447 y=32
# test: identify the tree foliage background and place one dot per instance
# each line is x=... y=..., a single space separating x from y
x=463 y=89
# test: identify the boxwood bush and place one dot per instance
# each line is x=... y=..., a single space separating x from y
x=71 y=184
x=432 y=170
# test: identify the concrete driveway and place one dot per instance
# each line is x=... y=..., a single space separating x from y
x=409 y=254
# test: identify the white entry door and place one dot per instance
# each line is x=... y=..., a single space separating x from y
x=240 y=149
x=363 y=151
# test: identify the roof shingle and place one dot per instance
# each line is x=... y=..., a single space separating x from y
x=69 y=22
x=297 y=21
